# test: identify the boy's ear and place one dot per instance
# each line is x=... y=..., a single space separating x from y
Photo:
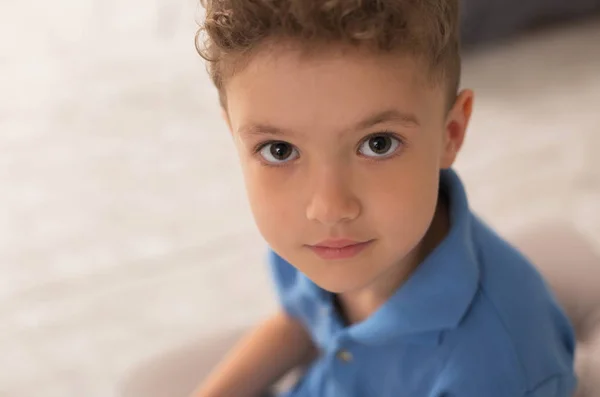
x=456 y=125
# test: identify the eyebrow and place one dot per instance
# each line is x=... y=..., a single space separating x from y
x=392 y=115
x=386 y=116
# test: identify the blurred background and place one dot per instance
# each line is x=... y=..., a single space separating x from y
x=124 y=229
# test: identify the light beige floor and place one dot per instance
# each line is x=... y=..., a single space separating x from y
x=123 y=225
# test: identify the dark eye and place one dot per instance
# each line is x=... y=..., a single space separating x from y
x=278 y=152
x=381 y=145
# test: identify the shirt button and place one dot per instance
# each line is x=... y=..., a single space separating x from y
x=344 y=356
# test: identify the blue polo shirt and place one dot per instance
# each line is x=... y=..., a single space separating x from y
x=475 y=319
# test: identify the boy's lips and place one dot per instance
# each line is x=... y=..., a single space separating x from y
x=339 y=249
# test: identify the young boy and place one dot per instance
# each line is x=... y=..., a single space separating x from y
x=347 y=118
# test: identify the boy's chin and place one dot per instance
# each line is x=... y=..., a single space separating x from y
x=336 y=284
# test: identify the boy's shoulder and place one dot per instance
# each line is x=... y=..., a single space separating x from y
x=515 y=292
x=514 y=328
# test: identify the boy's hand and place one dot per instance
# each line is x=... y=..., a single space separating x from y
x=274 y=348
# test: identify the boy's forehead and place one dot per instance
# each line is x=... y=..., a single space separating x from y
x=286 y=64
x=328 y=85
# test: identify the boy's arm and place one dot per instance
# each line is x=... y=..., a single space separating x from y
x=275 y=347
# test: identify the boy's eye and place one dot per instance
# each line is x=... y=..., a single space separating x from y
x=381 y=145
x=278 y=152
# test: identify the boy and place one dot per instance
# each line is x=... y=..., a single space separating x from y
x=347 y=119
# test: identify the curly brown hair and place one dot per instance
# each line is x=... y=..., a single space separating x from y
x=427 y=29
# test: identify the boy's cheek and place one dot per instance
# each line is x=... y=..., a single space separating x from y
x=268 y=200
x=225 y=117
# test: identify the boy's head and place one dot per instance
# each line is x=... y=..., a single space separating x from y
x=343 y=113
x=427 y=30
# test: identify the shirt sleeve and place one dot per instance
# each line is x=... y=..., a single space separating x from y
x=557 y=386
x=492 y=370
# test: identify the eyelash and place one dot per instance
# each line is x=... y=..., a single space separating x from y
x=257 y=148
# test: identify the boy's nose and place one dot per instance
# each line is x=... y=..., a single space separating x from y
x=332 y=200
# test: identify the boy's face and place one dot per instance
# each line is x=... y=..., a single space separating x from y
x=341 y=154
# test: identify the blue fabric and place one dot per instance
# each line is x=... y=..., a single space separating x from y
x=475 y=319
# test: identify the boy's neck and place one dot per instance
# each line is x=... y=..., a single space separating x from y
x=357 y=306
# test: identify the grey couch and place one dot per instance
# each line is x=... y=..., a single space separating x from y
x=484 y=21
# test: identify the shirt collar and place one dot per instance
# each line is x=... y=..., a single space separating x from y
x=440 y=291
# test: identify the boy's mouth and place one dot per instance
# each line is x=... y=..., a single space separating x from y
x=339 y=249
